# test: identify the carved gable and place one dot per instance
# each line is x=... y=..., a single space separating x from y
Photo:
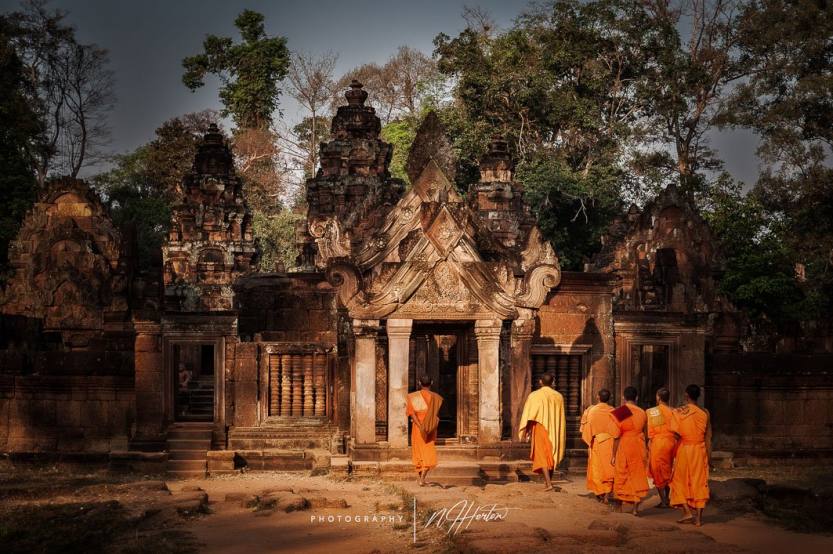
x=69 y=268
x=422 y=256
x=663 y=257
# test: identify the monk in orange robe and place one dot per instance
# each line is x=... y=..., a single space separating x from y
x=543 y=423
x=423 y=409
x=662 y=445
x=690 y=481
x=630 y=457
x=598 y=431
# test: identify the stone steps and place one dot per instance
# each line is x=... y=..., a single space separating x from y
x=188 y=445
x=283 y=436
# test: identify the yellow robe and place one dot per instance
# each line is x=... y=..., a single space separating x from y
x=546 y=406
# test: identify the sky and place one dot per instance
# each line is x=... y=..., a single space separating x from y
x=148 y=39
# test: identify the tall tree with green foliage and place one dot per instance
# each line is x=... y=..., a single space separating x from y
x=250 y=71
x=788 y=101
x=561 y=86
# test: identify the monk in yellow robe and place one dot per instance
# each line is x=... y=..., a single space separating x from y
x=423 y=409
x=690 y=481
x=544 y=424
x=630 y=457
x=662 y=445
x=598 y=430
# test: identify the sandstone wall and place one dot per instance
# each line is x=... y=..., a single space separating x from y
x=65 y=413
x=286 y=307
x=775 y=404
x=578 y=315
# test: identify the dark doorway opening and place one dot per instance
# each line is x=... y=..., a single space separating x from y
x=438 y=350
x=193 y=381
x=650 y=371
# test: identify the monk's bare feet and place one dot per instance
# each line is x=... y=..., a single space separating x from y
x=686 y=519
x=547 y=489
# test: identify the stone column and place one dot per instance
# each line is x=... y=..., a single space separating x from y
x=399 y=334
x=487 y=333
x=364 y=384
x=150 y=386
x=520 y=384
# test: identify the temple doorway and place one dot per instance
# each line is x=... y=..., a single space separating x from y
x=193 y=375
x=442 y=351
x=649 y=363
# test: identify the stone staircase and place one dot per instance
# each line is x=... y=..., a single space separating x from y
x=298 y=433
x=285 y=444
x=188 y=444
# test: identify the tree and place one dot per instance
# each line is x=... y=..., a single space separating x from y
x=788 y=100
x=250 y=71
x=688 y=82
x=561 y=86
x=70 y=89
x=400 y=87
x=18 y=133
x=304 y=140
x=313 y=87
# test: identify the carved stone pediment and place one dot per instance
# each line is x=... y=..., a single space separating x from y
x=428 y=252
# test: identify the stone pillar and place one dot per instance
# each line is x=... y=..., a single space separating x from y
x=520 y=384
x=297 y=378
x=399 y=335
x=149 y=382
x=320 y=368
x=286 y=385
x=364 y=384
x=309 y=407
x=487 y=333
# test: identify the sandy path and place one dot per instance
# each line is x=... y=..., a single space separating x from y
x=565 y=521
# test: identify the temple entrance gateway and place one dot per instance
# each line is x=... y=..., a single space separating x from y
x=443 y=352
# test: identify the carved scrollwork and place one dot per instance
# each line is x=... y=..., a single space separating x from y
x=537 y=283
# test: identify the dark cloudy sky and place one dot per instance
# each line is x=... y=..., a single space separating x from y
x=148 y=39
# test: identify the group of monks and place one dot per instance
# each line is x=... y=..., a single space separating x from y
x=676 y=455
x=626 y=445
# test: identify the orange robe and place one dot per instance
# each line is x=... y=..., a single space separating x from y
x=598 y=429
x=690 y=479
x=630 y=483
x=424 y=452
x=662 y=446
x=541 y=450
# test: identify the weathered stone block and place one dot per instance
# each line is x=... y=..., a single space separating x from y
x=148 y=343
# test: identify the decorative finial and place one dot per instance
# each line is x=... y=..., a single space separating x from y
x=356 y=96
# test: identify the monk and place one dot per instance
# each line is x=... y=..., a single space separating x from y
x=662 y=445
x=598 y=430
x=630 y=457
x=690 y=481
x=423 y=409
x=544 y=424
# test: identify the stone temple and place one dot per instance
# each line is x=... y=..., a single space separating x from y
x=205 y=364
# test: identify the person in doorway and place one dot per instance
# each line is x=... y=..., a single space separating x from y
x=598 y=430
x=690 y=482
x=543 y=424
x=662 y=445
x=630 y=457
x=184 y=379
x=423 y=408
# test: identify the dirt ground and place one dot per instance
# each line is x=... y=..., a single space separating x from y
x=50 y=509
